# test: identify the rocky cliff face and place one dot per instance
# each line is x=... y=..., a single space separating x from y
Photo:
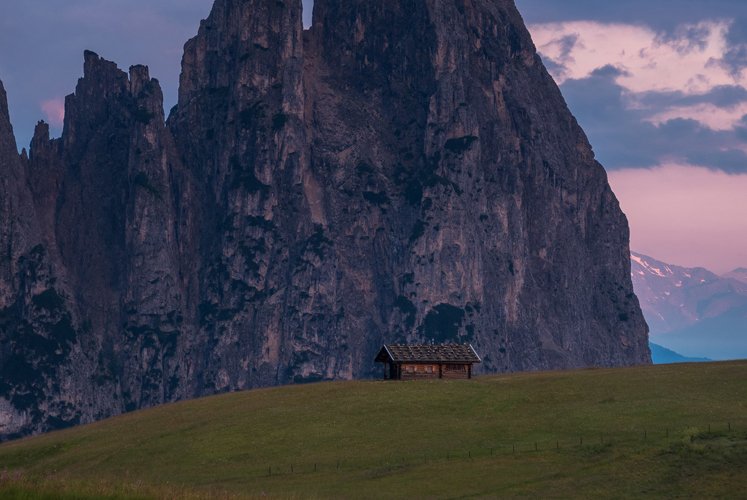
x=91 y=294
x=401 y=172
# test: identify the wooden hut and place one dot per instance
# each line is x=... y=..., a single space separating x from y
x=412 y=362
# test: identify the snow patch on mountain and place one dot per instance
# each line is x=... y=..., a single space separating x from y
x=692 y=310
x=640 y=260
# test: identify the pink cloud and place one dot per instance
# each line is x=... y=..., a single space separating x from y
x=54 y=111
x=712 y=116
x=686 y=215
x=648 y=60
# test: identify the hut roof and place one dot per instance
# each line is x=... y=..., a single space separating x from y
x=424 y=353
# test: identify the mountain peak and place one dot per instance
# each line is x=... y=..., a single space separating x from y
x=692 y=309
x=104 y=73
x=739 y=274
x=7 y=138
x=405 y=172
x=3 y=103
x=650 y=265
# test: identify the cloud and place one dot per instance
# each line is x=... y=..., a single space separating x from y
x=621 y=131
x=736 y=56
x=685 y=214
x=710 y=115
x=691 y=59
x=722 y=96
x=696 y=72
x=54 y=111
x=662 y=14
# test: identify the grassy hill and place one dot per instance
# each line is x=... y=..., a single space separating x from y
x=671 y=430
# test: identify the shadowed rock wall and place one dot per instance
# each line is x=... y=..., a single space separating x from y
x=404 y=171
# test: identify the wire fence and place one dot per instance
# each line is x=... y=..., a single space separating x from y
x=595 y=442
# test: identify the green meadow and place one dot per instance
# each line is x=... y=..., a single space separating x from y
x=654 y=431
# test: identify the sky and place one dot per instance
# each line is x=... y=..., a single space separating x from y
x=660 y=87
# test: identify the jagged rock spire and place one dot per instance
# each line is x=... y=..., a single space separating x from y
x=402 y=172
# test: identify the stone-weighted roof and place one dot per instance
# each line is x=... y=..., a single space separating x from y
x=425 y=353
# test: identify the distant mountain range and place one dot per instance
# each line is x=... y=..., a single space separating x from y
x=663 y=356
x=738 y=274
x=692 y=310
